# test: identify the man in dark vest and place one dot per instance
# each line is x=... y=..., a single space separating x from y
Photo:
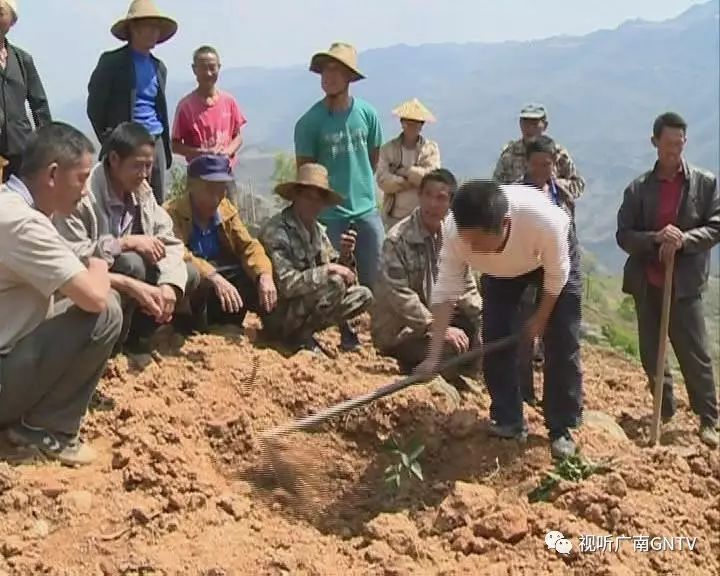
x=128 y=84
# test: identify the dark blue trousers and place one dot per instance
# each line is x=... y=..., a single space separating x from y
x=562 y=390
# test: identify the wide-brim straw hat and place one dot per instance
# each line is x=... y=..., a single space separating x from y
x=143 y=10
x=414 y=110
x=340 y=52
x=311 y=175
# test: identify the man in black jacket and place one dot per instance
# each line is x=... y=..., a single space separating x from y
x=19 y=83
x=128 y=84
x=673 y=211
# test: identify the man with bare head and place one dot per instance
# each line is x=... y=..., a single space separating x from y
x=128 y=84
x=343 y=133
x=208 y=120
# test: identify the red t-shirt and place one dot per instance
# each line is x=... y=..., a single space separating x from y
x=668 y=203
x=202 y=125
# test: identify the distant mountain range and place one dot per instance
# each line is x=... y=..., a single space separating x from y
x=602 y=92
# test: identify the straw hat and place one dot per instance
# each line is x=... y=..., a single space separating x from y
x=340 y=52
x=140 y=10
x=313 y=175
x=414 y=110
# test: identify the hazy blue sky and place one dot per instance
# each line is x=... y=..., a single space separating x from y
x=66 y=38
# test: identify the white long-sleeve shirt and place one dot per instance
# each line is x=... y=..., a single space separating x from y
x=538 y=238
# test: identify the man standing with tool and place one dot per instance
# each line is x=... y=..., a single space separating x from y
x=516 y=238
x=343 y=133
x=673 y=211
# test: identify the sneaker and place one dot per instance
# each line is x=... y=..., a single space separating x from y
x=509 y=431
x=65 y=449
x=709 y=435
x=349 y=341
x=563 y=447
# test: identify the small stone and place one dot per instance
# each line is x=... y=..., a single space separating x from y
x=616 y=486
x=52 y=489
x=120 y=459
x=80 y=501
x=196 y=501
x=698 y=487
x=508 y=525
x=12 y=546
x=41 y=529
x=398 y=531
x=176 y=502
x=18 y=500
x=700 y=467
x=465 y=503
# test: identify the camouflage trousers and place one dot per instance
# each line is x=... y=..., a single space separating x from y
x=301 y=317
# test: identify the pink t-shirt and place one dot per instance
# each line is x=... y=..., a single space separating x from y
x=202 y=125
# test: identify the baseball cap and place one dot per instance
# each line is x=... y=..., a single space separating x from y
x=210 y=168
x=533 y=112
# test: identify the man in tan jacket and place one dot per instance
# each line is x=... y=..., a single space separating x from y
x=404 y=161
x=236 y=274
x=121 y=222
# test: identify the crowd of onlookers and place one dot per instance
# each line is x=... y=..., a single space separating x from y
x=94 y=259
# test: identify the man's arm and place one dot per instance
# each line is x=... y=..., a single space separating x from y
x=305 y=139
x=401 y=298
x=375 y=140
x=389 y=183
x=705 y=237
x=629 y=235
x=172 y=269
x=89 y=289
x=98 y=96
x=568 y=176
x=428 y=161
x=37 y=99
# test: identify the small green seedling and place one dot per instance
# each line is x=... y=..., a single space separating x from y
x=573 y=469
x=408 y=462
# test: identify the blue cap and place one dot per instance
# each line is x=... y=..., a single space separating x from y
x=210 y=168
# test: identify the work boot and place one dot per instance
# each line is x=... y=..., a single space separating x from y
x=709 y=435
x=509 y=431
x=563 y=446
x=66 y=449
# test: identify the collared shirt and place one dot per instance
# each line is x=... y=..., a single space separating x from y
x=670 y=191
x=205 y=242
x=18 y=186
x=121 y=213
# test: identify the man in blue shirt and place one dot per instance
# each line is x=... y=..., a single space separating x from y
x=128 y=85
x=541 y=154
x=343 y=133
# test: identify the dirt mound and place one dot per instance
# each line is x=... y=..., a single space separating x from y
x=184 y=487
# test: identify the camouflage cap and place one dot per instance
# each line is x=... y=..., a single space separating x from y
x=533 y=112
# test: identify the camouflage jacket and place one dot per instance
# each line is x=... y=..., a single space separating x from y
x=403 y=289
x=512 y=164
x=299 y=259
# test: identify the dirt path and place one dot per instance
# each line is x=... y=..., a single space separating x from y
x=181 y=487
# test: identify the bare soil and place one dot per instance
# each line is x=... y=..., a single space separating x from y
x=183 y=486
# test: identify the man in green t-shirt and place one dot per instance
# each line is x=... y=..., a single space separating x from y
x=343 y=133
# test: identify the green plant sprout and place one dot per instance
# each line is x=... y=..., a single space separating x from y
x=407 y=463
x=573 y=469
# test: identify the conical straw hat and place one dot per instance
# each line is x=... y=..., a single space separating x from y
x=414 y=110
x=340 y=52
x=142 y=9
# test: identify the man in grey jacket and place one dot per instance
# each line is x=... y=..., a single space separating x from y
x=121 y=222
x=673 y=211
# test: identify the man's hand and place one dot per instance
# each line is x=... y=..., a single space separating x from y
x=347 y=243
x=169 y=301
x=267 y=292
x=343 y=271
x=427 y=368
x=535 y=327
x=96 y=264
x=670 y=235
x=150 y=248
x=148 y=297
x=229 y=297
x=457 y=339
x=402 y=172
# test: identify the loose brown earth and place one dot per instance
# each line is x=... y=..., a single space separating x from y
x=181 y=486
